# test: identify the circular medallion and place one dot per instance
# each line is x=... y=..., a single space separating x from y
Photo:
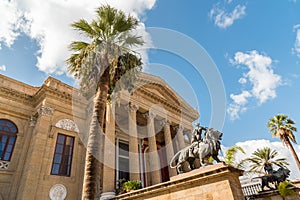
x=58 y=192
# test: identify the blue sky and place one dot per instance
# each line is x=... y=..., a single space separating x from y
x=255 y=46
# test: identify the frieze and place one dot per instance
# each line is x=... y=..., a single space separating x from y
x=41 y=94
x=16 y=95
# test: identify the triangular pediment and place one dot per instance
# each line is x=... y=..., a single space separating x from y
x=157 y=91
x=161 y=92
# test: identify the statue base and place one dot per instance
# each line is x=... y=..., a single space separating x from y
x=217 y=181
x=107 y=195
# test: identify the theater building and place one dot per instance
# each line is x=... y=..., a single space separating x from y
x=43 y=134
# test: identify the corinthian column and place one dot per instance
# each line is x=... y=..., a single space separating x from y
x=153 y=154
x=109 y=154
x=180 y=137
x=134 y=165
x=169 y=145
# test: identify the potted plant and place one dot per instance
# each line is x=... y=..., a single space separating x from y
x=132 y=185
x=120 y=188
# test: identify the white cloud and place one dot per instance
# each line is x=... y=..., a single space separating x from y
x=261 y=77
x=224 y=19
x=241 y=99
x=234 y=111
x=242 y=80
x=283 y=152
x=2 y=68
x=48 y=22
x=11 y=22
x=296 y=48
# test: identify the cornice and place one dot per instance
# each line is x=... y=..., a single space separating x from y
x=8 y=82
x=42 y=93
x=66 y=94
x=16 y=95
x=45 y=90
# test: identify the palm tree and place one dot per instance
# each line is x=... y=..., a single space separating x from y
x=99 y=65
x=230 y=156
x=262 y=157
x=281 y=126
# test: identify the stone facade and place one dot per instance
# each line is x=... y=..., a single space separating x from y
x=208 y=183
x=139 y=128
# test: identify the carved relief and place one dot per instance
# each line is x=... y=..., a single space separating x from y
x=32 y=121
x=4 y=165
x=45 y=111
x=58 y=192
x=67 y=124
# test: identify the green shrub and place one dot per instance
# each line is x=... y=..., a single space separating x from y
x=284 y=189
x=120 y=188
x=132 y=185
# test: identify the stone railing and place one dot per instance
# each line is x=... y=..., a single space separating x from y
x=4 y=165
x=251 y=189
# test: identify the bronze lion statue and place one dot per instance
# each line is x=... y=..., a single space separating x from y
x=209 y=146
x=275 y=177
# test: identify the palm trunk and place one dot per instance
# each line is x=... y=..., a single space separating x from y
x=293 y=152
x=92 y=164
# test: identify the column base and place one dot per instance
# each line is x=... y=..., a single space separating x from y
x=107 y=195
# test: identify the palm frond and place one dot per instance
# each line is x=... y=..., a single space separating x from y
x=133 y=41
x=110 y=47
x=231 y=153
x=78 y=46
x=281 y=126
x=261 y=157
x=84 y=28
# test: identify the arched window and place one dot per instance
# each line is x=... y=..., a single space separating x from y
x=8 y=135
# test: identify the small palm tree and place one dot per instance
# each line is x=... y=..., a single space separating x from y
x=262 y=157
x=281 y=126
x=230 y=156
x=99 y=65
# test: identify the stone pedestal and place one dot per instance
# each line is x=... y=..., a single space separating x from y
x=212 y=182
x=107 y=195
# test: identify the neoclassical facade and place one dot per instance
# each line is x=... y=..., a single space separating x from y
x=43 y=133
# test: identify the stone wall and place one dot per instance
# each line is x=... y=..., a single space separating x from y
x=212 y=182
x=27 y=175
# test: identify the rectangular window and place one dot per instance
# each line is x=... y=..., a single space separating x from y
x=62 y=159
x=123 y=160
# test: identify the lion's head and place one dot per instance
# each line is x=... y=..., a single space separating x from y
x=213 y=134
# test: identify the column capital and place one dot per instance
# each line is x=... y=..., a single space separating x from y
x=165 y=122
x=179 y=128
x=132 y=107
x=32 y=121
x=150 y=115
x=45 y=111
